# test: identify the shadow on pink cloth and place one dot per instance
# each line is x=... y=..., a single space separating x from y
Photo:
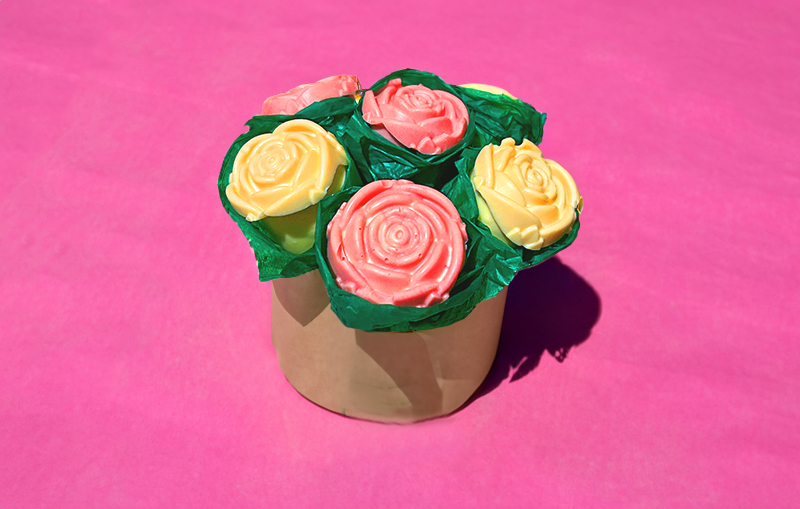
x=566 y=309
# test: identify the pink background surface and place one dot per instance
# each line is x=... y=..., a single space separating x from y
x=136 y=368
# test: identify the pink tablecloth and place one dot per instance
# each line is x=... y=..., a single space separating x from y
x=136 y=368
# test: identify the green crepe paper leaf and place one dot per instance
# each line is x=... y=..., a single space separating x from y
x=485 y=272
x=498 y=117
x=379 y=159
x=273 y=260
x=518 y=257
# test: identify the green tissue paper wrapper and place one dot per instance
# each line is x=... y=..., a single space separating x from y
x=379 y=159
x=518 y=257
x=489 y=266
x=498 y=116
x=273 y=260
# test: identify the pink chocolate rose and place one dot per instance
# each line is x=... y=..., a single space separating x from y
x=430 y=121
x=298 y=98
x=396 y=242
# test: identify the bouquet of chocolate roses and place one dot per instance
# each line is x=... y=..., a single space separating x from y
x=414 y=199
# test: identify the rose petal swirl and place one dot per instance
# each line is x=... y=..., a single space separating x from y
x=430 y=121
x=396 y=242
x=285 y=171
x=298 y=98
x=523 y=198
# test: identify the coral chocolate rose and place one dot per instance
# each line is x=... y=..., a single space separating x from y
x=286 y=171
x=298 y=98
x=429 y=121
x=525 y=199
x=396 y=242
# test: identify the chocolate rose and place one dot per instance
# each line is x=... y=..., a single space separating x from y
x=528 y=200
x=396 y=242
x=298 y=98
x=430 y=121
x=279 y=177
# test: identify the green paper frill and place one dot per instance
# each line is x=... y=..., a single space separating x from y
x=498 y=116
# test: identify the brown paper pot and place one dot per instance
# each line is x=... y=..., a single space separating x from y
x=379 y=376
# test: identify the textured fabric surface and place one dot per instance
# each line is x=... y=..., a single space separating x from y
x=653 y=363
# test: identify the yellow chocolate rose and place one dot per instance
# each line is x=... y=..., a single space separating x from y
x=278 y=178
x=285 y=171
x=527 y=200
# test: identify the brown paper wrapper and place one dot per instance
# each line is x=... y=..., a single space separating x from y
x=379 y=376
